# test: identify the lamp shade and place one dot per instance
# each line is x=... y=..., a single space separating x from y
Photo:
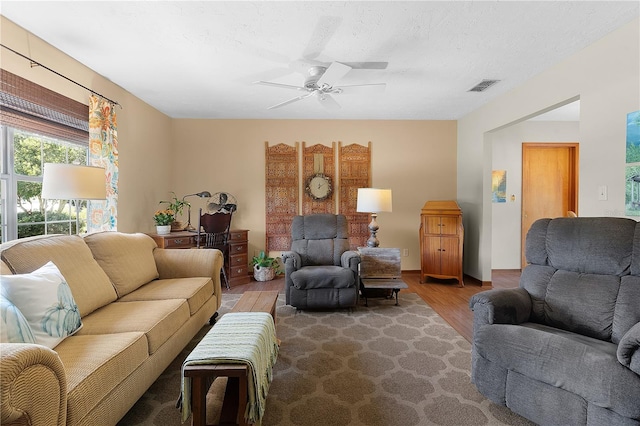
x=73 y=182
x=373 y=200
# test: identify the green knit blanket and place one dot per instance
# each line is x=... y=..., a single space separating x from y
x=238 y=338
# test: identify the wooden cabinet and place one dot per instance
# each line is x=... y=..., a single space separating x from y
x=237 y=263
x=441 y=241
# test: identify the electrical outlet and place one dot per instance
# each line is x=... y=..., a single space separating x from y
x=405 y=252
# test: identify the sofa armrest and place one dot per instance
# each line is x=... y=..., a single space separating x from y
x=292 y=262
x=629 y=349
x=500 y=306
x=184 y=263
x=350 y=259
x=33 y=385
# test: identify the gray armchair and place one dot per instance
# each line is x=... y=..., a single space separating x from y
x=320 y=270
x=564 y=347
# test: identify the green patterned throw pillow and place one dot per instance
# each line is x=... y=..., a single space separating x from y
x=46 y=301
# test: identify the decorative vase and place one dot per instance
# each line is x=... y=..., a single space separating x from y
x=176 y=225
x=263 y=273
x=163 y=229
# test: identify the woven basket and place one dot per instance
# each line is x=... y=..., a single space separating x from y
x=263 y=274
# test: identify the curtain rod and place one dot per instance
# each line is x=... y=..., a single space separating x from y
x=58 y=74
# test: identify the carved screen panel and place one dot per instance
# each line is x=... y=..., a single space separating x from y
x=318 y=159
x=281 y=193
x=355 y=172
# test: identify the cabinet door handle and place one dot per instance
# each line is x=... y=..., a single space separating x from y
x=177 y=241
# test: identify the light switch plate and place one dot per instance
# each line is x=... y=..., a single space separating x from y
x=602 y=193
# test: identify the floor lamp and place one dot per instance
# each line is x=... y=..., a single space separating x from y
x=202 y=194
x=73 y=182
x=374 y=201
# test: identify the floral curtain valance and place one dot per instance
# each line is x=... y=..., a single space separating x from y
x=103 y=152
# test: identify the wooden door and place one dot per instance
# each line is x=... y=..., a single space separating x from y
x=549 y=183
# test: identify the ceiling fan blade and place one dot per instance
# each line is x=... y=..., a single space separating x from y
x=328 y=101
x=334 y=73
x=367 y=65
x=290 y=101
x=362 y=88
x=285 y=86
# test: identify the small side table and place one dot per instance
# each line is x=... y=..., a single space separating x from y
x=380 y=270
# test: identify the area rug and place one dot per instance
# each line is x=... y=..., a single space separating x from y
x=381 y=365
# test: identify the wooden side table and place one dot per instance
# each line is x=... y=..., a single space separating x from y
x=236 y=262
x=380 y=269
x=175 y=240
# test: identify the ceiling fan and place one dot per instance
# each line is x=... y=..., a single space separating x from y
x=321 y=81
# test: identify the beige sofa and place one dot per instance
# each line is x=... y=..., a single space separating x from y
x=139 y=306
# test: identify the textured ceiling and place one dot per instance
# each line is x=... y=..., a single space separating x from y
x=196 y=59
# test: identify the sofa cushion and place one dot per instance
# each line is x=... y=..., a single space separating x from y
x=577 y=302
x=89 y=283
x=14 y=327
x=196 y=291
x=158 y=319
x=92 y=375
x=565 y=360
x=126 y=258
x=592 y=245
x=322 y=277
x=45 y=299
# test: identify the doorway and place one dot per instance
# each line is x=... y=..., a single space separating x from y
x=549 y=183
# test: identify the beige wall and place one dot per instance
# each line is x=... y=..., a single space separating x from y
x=144 y=138
x=604 y=76
x=416 y=159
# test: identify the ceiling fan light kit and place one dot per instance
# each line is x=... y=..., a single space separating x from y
x=320 y=81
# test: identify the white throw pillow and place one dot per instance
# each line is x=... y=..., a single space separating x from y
x=45 y=300
x=14 y=327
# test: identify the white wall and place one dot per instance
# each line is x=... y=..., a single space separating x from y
x=507 y=155
x=604 y=76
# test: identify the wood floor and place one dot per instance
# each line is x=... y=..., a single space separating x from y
x=445 y=297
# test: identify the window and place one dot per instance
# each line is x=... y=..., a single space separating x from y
x=24 y=212
x=38 y=126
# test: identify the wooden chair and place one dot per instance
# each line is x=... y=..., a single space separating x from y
x=213 y=233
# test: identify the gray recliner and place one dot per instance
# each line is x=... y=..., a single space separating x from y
x=320 y=270
x=564 y=347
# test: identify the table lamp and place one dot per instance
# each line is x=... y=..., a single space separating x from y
x=374 y=201
x=202 y=194
x=73 y=182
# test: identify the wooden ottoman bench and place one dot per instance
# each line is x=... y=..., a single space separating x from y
x=257 y=301
x=243 y=347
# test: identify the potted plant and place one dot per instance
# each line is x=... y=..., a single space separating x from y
x=163 y=220
x=177 y=206
x=265 y=268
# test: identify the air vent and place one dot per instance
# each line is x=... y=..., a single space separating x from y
x=483 y=85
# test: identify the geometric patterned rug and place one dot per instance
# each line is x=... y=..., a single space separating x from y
x=381 y=365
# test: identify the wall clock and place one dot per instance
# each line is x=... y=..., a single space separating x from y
x=319 y=186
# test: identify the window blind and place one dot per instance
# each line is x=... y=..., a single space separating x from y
x=28 y=106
